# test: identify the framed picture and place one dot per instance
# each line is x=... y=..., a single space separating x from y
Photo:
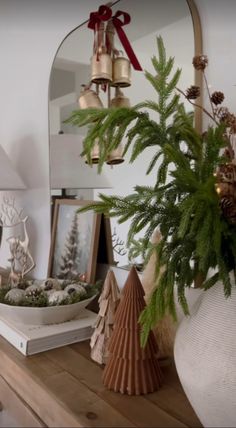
x=74 y=244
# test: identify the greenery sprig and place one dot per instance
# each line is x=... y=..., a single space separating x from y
x=183 y=203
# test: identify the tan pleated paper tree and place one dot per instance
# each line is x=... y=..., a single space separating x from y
x=131 y=369
x=165 y=330
x=108 y=303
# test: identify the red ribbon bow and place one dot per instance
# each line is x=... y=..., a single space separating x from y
x=103 y=14
x=118 y=24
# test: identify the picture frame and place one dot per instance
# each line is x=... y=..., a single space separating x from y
x=74 y=241
x=105 y=249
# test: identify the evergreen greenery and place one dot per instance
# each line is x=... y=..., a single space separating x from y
x=197 y=241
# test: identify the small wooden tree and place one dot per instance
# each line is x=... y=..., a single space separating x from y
x=108 y=303
x=131 y=369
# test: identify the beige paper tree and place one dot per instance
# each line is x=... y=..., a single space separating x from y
x=165 y=330
x=108 y=303
x=131 y=369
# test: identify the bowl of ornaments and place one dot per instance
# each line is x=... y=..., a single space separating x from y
x=49 y=301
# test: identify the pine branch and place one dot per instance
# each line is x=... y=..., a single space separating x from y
x=183 y=203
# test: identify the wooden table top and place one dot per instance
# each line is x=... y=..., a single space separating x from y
x=64 y=388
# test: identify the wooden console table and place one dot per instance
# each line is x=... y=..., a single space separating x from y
x=63 y=388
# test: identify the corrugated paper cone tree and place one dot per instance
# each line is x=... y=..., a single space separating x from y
x=131 y=369
x=108 y=303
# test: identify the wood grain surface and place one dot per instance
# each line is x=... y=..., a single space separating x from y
x=63 y=387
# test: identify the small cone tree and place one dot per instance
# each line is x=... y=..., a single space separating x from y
x=108 y=303
x=131 y=369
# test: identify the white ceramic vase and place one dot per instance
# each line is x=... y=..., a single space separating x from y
x=205 y=357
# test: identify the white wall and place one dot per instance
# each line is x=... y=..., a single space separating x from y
x=30 y=33
x=219 y=36
x=63 y=82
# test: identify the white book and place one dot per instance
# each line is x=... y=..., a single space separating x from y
x=31 y=339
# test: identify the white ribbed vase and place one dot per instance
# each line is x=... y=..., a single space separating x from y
x=205 y=357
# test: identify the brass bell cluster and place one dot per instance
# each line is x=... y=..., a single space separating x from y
x=110 y=71
x=108 y=65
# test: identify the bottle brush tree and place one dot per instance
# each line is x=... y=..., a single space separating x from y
x=192 y=201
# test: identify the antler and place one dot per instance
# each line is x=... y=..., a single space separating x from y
x=118 y=244
x=9 y=215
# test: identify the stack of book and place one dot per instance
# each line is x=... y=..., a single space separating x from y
x=31 y=339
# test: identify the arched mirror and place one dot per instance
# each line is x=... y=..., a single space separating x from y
x=70 y=176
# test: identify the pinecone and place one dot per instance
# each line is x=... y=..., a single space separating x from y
x=32 y=292
x=233 y=125
x=217 y=97
x=228 y=207
x=226 y=173
x=226 y=117
x=200 y=62
x=222 y=113
x=226 y=189
x=193 y=92
x=228 y=154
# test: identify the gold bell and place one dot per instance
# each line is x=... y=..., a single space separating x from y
x=101 y=68
x=121 y=74
x=89 y=98
x=94 y=154
x=120 y=100
x=116 y=156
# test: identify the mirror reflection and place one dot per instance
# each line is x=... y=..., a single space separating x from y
x=70 y=175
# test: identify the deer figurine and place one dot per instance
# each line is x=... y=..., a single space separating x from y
x=19 y=248
x=14 y=277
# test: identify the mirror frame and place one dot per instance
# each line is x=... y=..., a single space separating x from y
x=198 y=46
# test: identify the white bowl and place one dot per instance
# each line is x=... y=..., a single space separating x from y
x=44 y=315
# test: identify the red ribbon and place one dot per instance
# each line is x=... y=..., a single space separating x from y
x=118 y=24
x=103 y=14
